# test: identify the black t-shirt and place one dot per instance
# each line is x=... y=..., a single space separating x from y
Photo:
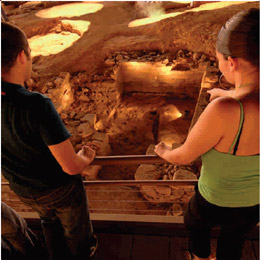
x=29 y=124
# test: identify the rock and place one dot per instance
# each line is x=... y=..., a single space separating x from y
x=147 y=172
x=44 y=89
x=49 y=85
x=84 y=98
x=30 y=83
x=150 y=150
x=100 y=137
x=74 y=80
x=165 y=61
x=203 y=58
x=101 y=125
x=180 y=53
x=178 y=192
x=91 y=172
x=74 y=122
x=169 y=212
x=149 y=193
x=163 y=190
x=63 y=116
x=119 y=57
x=181 y=66
x=101 y=140
x=110 y=62
x=212 y=59
x=165 y=177
x=57 y=82
x=91 y=118
x=76 y=139
x=196 y=56
x=35 y=75
x=184 y=175
x=78 y=147
x=85 y=129
x=79 y=115
x=177 y=210
x=63 y=74
x=72 y=114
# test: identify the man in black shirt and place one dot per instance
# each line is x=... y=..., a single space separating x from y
x=38 y=158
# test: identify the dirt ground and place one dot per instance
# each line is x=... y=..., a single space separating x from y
x=194 y=29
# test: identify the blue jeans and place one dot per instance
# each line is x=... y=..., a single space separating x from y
x=65 y=221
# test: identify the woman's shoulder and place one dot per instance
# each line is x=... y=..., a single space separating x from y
x=225 y=104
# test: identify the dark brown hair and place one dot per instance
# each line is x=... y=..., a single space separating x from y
x=13 y=41
x=239 y=37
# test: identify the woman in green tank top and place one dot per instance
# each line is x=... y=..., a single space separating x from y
x=226 y=136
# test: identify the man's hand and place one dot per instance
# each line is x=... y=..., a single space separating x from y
x=161 y=148
x=87 y=152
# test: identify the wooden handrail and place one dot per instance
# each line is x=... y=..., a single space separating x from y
x=131 y=159
x=127 y=159
x=135 y=182
x=142 y=182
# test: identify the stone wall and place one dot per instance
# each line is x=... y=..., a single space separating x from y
x=158 y=78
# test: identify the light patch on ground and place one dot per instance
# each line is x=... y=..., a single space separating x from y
x=157 y=16
x=69 y=10
x=53 y=43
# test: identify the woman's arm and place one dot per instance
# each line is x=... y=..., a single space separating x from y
x=218 y=92
x=205 y=134
x=71 y=162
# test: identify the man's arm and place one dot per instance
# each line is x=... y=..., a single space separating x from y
x=71 y=162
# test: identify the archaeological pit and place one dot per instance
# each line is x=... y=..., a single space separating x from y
x=123 y=81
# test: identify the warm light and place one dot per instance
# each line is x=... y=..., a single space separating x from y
x=172 y=113
x=138 y=65
x=77 y=25
x=157 y=18
x=166 y=70
x=178 y=114
x=203 y=7
x=53 y=43
x=69 y=10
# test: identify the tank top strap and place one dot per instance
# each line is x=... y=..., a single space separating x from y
x=234 y=145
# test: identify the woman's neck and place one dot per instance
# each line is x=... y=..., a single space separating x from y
x=247 y=79
x=246 y=83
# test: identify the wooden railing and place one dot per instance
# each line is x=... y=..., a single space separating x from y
x=131 y=159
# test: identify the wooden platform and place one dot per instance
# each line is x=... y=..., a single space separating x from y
x=142 y=247
x=125 y=240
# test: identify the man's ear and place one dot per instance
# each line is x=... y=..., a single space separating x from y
x=233 y=64
x=21 y=57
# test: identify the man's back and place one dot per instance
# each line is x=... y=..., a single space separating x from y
x=29 y=124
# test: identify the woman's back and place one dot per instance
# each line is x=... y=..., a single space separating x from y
x=249 y=139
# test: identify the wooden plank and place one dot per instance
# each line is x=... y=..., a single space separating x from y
x=121 y=217
x=178 y=248
x=137 y=218
x=114 y=246
x=150 y=247
x=255 y=244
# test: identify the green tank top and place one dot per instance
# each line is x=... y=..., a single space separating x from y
x=229 y=180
